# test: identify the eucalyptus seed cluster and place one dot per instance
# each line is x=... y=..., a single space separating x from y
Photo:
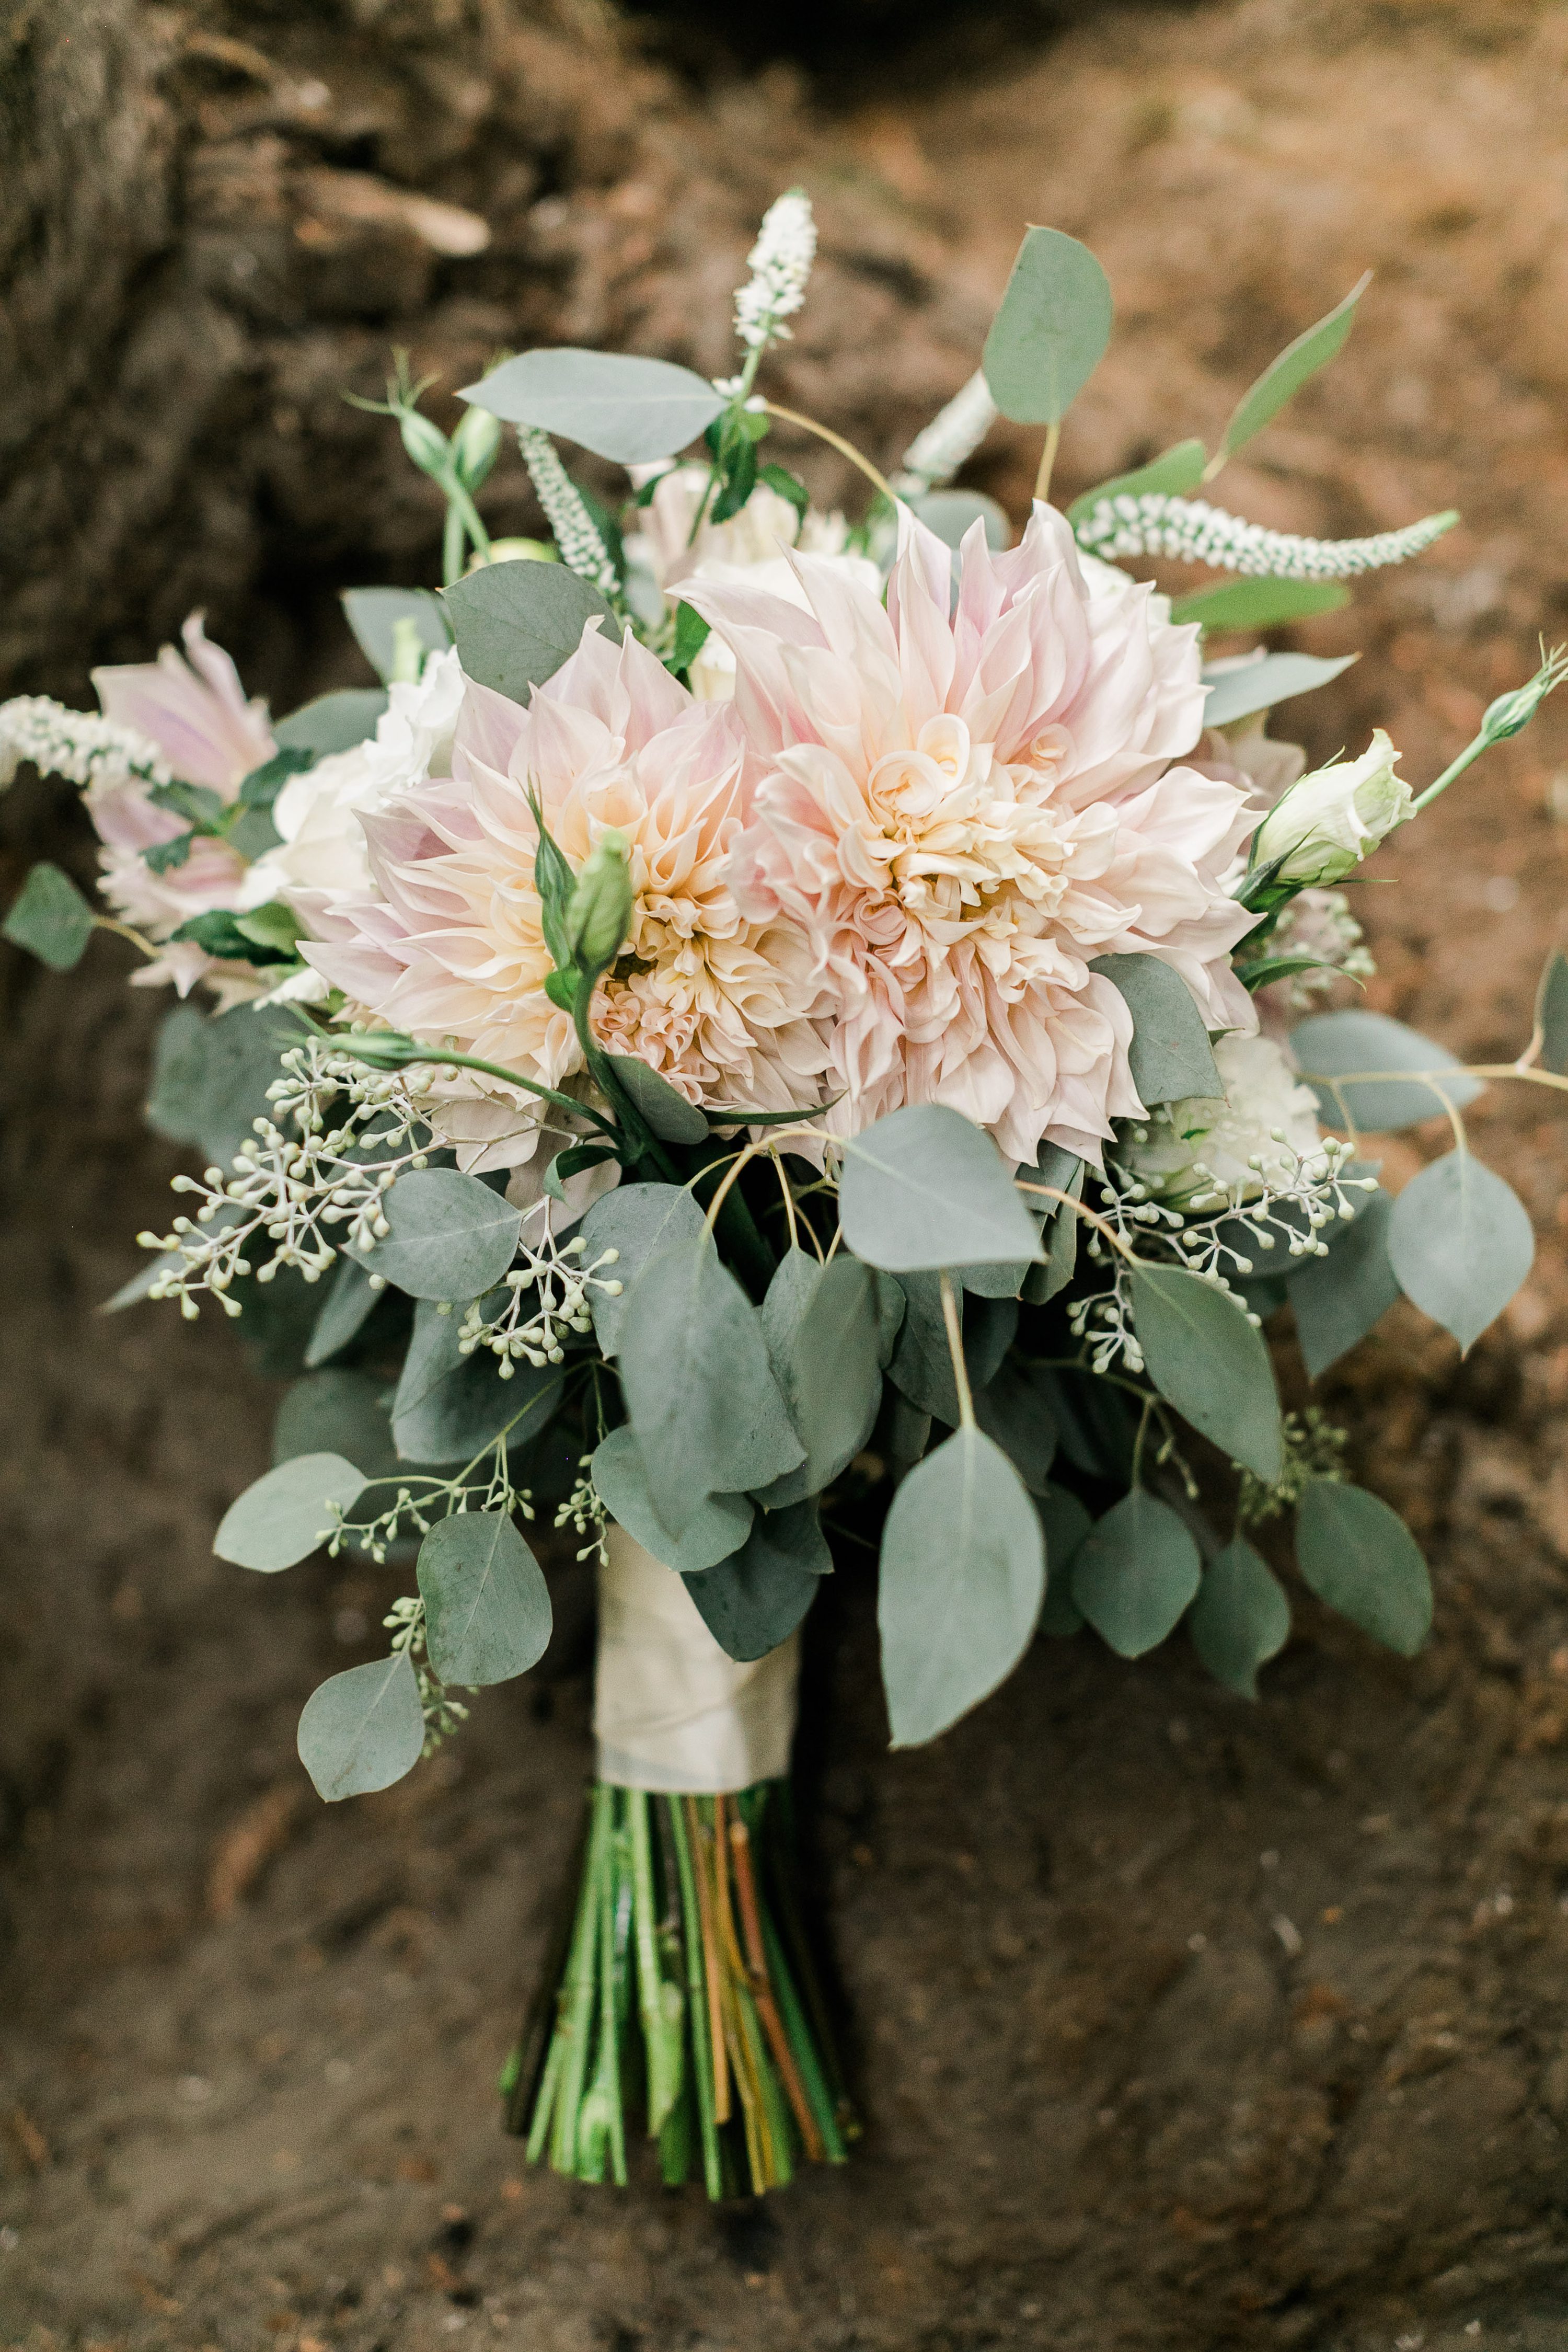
x=584 y=1510
x=549 y=1297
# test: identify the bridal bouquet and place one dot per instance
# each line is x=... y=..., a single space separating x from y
x=767 y=1024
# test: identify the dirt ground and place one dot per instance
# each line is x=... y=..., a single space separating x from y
x=1182 y=2024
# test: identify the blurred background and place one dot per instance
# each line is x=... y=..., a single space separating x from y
x=1185 y=2025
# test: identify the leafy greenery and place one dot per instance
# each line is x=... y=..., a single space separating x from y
x=452 y=1237
x=1050 y=328
x=1360 y=1558
x=282 y=1518
x=363 y=1729
x=622 y=407
x=1240 y=1618
x=1460 y=1243
x=1210 y=1363
x=514 y=624
x=1135 y=1572
x=487 y=1606
x=926 y=1188
x=1170 y=1056
x=1336 y=1050
x=50 y=918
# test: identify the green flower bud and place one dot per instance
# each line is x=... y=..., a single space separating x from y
x=425 y=443
x=599 y=914
x=476 y=445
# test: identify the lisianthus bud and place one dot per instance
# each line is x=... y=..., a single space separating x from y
x=598 y=913
x=1332 y=819
x=475 y=446
x=425 y=442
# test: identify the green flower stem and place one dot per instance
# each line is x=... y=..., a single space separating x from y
x=578 y=1992
x=697 y=2003
x=661 y=2031
x=452 y=540
x=802 y=2046
x=356 y=1046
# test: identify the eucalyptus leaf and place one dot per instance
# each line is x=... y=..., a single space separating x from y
x=1042 y=1282
x=1013 y=1409
x=755 y=1598
x=665 y=1109
x=373 y=614
x=363 y=1729
x=824 y=1343
x=962 y=1580
x=50 y=918
x=703 y=1400
x=1135 y=1572
x=1065 y=1524
x=636 y=1221
x=620 y=405
x=1284 y=376
x=514 y=624
x=448 y=1406
x=337 y=1413
x=952 y=513
x=1335 y=1048
x=1095 y=1423
x=924 y=1188
x=487 y=1605
x=922 y=1363
x=210 y=1072
x=1240 y=1618
x=1236 y=692
x=1460 y=1243
x=1050 y=331
x=1170 y=1056
x=1551 y=1014
x=349 y=1303
x=282 y=1518
x=333 y=723
x=452 y=1237
x=1259 y=603
x=1360 y=1558
x=1338 y=1299
x=718 y=1528
x=1172 y=474
x=1208 y=1361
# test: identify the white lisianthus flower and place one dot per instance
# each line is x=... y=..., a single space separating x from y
x=321 y=857
x=1332 y=819
x=1188 y=1153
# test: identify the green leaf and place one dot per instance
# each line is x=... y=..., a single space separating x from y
x=1284 y=377
x=337 y=1413
x=924 y=1188
x=1259 y=603
x=636 y=1221
x=1237 y=691
x=1460 y=1243
x=1360 y=1558
x=281 y=1519
x=448 y=1406
x=218 y=931
x=1136 y=1571
x=1065 y=1171
x=1170 y=1056
x=373 y=614
x=707 y=1412
x=333 y=723
x=210 y=1072
x=363 y=1729
x=789 y=486
x=755 y=1598
x=627 y=408
x=951 y=513
x=514 y=624
x=1338 y=1299
x=963 y=1576
x=824 y=1342
x=260 y=789
x=1050 y=331
x=50 y=918
x=1208 y=1361
x=487 y=1605
x=1334 y=1047
x=1065 y=1524
x=272 y=926
x=349 y=1305
x=1173 y=473
x=719 y=1528
x=1263 y=969
x=1551 y=1014
x=1012 y=1410
x=451 y=1238
x=691 y=634
x=1240 y=1618
x=664 y=1108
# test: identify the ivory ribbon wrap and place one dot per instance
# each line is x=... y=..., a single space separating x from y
x=671 y=1711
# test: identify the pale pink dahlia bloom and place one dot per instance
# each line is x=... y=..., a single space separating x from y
x=196 y=712
x=450 y=947
x=962 y=808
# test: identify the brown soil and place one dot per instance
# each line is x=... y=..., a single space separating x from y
x=1183 y=2024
